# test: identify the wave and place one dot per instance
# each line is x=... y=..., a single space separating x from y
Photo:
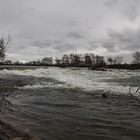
x=44 y=85
x=41 y=108
x=81 y=78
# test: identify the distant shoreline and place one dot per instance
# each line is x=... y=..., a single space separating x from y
x=102 y=68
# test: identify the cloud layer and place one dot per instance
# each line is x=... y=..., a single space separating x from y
x=53 y=27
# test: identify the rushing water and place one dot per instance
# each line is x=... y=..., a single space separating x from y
x=67 y=104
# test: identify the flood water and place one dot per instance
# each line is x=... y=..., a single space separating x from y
x=67 y=104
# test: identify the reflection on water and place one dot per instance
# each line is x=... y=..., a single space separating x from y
x=60 y=104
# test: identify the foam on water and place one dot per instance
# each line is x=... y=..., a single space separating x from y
x=54 y=104
x=43 y=85
x=82 y=78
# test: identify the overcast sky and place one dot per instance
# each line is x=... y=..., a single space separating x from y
x=42 y=28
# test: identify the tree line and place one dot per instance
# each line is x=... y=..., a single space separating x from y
x=81 y=60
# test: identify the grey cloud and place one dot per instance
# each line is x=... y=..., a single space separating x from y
x=52 y=27
x=42 y=44
x=75 y=35
x=93 y=45
x=111 y=3
x=130 y=9
x=60 y=46
x=21 y=48
x=65 y=47
x=128 y=39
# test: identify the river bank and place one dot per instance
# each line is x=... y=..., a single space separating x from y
x=98 y=68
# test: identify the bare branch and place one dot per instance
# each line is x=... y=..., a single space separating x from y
x=7 y=42
x=4 y=42
x=130 y=88
x=137 y=90
x=133 y=94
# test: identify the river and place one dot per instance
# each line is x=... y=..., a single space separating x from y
x=67 y=103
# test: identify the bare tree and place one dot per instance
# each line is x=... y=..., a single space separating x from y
x=88 y=60
x=4 y=42
x=65 y=59
x=118 y=60
x=74 y=59
x=57 y=61
x=100 y=60
x=110 y=60
x=136 y=57
x=8 y=62
x=47 y=60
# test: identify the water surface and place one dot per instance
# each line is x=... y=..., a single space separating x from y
x=60 y=104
